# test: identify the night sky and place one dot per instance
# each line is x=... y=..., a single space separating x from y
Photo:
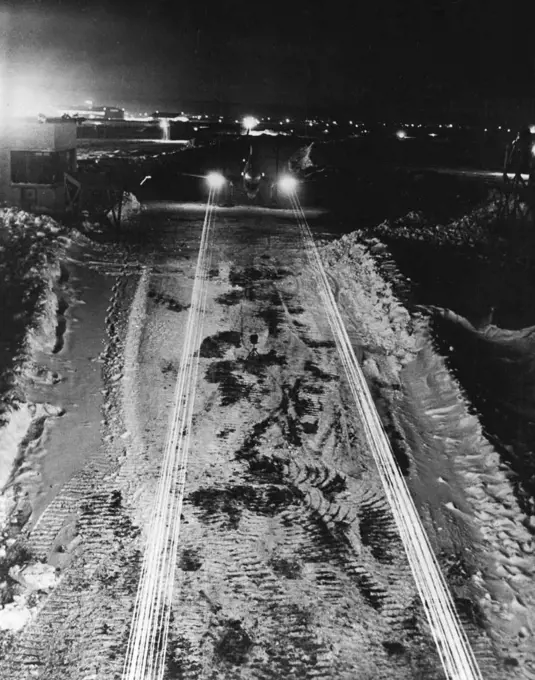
x=293 y=54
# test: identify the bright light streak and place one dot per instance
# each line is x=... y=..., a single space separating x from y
x=149 y=632
x=533 y=150
x=401 y=134
x=166 y=127
x=215 y=180
x=258 y=133
x=287 y=184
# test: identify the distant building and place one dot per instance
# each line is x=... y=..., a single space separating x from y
x=93 y=112
x=170 y=115
x=36 y=162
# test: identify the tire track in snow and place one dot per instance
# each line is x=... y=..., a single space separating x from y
x=85 y=521
x=255 y=582
x=343 y=518
x=44 y=532
x=452 y=644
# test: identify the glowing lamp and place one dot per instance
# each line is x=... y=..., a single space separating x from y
x=532 y=129
x=288 y=184
x=401 y=134
x=215 y=180
x=249 y=122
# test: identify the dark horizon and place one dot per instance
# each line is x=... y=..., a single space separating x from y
x=290 y=56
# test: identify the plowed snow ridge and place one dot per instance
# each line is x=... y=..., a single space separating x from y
x=454 y=649
x=147 y=645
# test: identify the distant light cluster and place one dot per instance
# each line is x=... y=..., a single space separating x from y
x=256 y=125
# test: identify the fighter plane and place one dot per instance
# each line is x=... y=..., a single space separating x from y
x=251 y=179
x=254 y=181
x=252 y=175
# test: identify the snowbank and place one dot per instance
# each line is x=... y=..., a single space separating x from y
x=382 y=323
x=28 y=585
x=31 y=247
x=15 y=615
x=35 y=576
x=471 y=230
x=16 y=424
x=454 y=469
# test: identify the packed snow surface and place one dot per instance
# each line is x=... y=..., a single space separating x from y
x=461 y=485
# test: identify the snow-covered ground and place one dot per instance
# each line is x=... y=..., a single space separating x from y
x=35 y=266
x=286 y=534
x=135 y=151
x=31 y=249
x=464 y=488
